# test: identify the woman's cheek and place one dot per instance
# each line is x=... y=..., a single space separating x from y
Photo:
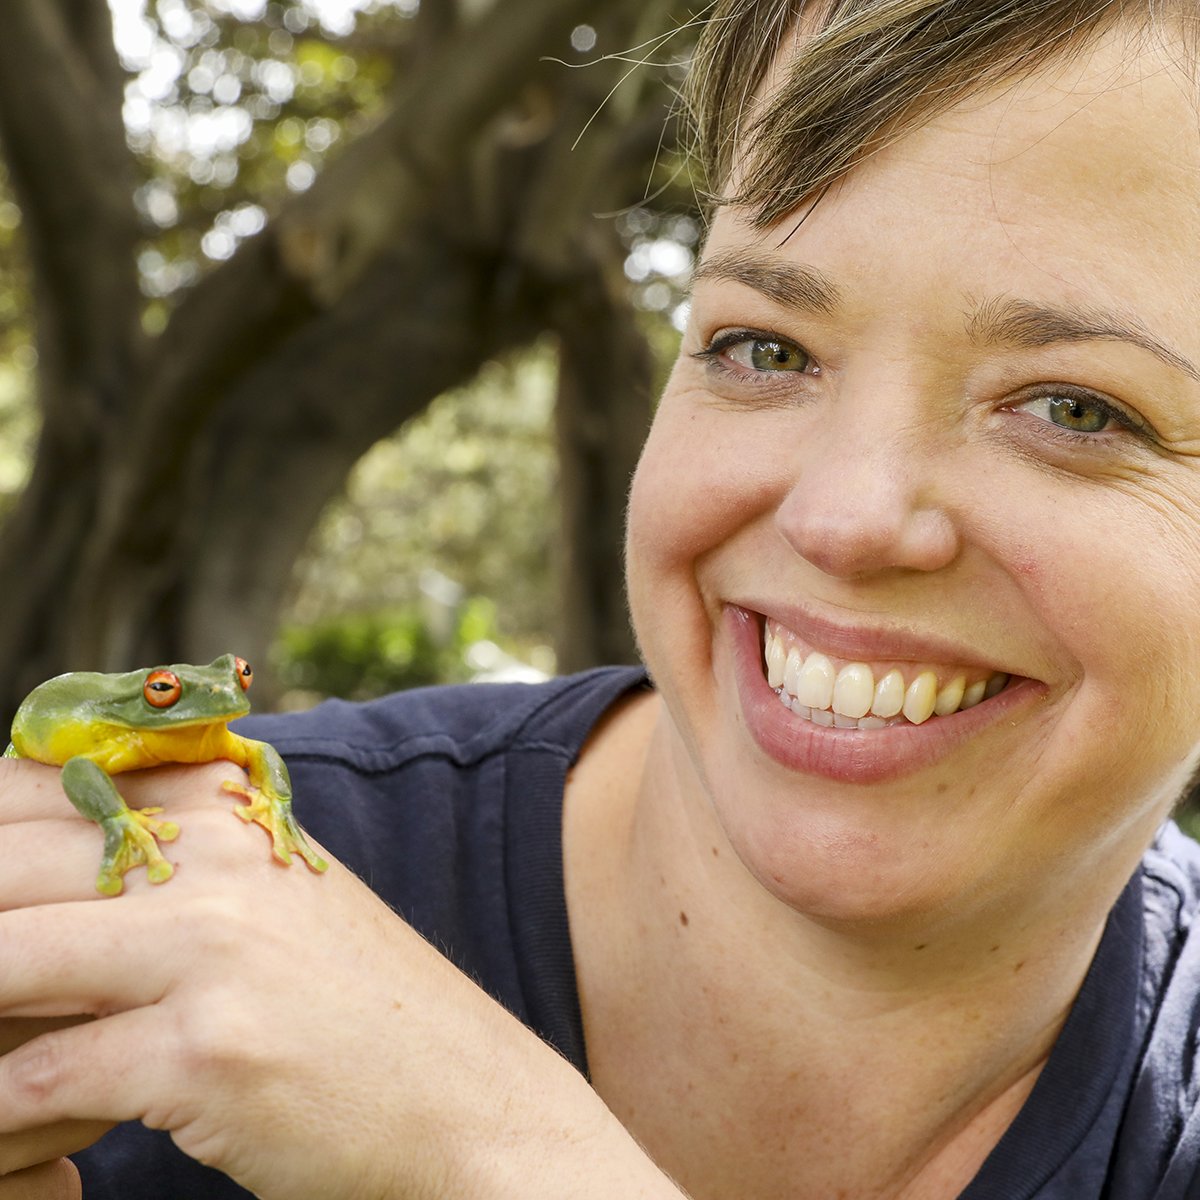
x=1113 y=581
x=704 y=474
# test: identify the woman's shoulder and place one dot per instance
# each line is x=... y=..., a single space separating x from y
x=1160 y=1137
x=1170 y=997
x=462 y=724
x=1170 y=877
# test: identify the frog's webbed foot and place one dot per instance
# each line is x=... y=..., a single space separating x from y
x=131 y=836
x=130 y=839
x=274 y=814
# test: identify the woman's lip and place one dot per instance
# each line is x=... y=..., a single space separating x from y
x=864 y=644
x=851 y=755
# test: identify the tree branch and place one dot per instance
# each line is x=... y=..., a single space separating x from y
x=438 y=111
x=320 y=243
x=60 y=122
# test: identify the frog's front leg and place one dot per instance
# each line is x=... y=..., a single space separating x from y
x=131 y=835
x=269 y=800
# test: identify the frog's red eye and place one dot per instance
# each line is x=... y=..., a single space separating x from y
x=162 y=688
x=244 y=673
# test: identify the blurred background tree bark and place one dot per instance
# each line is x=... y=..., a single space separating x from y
x=188 y=445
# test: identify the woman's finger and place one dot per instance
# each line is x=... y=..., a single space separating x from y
x=80 y=1075
x=30 y=1147
x=16 y=1031
x=67 y=959
x=48 y=862
x=52 y=854
x=30 y=791
x=58 y=1180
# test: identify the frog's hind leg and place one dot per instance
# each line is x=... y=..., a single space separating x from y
x=131 y=835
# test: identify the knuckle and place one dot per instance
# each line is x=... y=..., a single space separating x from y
x=216 y=927
x=218 y=1037
x=37 y=1073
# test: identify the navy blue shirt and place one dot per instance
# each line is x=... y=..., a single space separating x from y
x=448 y=803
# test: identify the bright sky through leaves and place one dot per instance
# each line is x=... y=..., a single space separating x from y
x=135 y=43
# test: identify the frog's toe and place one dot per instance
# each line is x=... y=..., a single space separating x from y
x=274 y=814
x=163 y=831
x=131 y=840
x=159 y=871
x=109 y=883
x=314 y=861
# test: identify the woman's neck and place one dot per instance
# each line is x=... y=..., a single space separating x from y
x=756 y=1052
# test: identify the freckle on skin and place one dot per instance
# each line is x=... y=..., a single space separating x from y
x=920 y=945
x=683 y=918
x=716 y=852
x=942 y=788
x=1018 y=966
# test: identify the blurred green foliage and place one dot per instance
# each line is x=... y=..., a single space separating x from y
x=18 y=358
x=1188 y=817
x=457 y=506
x=360 y=656
x=229 y=105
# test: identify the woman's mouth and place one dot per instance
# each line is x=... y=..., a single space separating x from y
x=842 y=694
x=858 y=719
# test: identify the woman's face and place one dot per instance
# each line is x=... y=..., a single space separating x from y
x=942 y=433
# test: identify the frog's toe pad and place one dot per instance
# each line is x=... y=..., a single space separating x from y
x=275 y=816
x=164 y=831
x=112 y=883
x=131 y=840
x=160 y=871
x=108 y=884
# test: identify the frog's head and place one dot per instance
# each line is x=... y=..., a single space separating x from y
x=182 y=694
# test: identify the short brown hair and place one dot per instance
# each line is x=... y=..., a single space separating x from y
x=869 y=70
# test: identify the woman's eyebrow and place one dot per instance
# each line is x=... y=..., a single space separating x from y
x=1023 y=323
x=789 y=284
x=1005 y=319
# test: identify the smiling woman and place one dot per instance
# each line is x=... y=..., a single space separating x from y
x=866 y=886
x=945 y=400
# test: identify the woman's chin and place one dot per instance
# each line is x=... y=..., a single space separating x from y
x=834 y=870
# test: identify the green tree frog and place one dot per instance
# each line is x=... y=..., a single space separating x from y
x=95 y=726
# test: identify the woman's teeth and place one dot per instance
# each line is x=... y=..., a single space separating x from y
x=850 y=697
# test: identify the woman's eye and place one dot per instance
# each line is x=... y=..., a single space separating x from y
x=767 y=355
x=759 y=353
x=1074 y=413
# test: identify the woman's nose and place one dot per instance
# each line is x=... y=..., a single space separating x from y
x=864 y=503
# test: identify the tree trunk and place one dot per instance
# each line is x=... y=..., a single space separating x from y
x=177 y=478
x=606 y=373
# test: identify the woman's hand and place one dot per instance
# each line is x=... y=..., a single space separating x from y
x=57 y=1180
x=286 y=1028
x=24 y=1148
